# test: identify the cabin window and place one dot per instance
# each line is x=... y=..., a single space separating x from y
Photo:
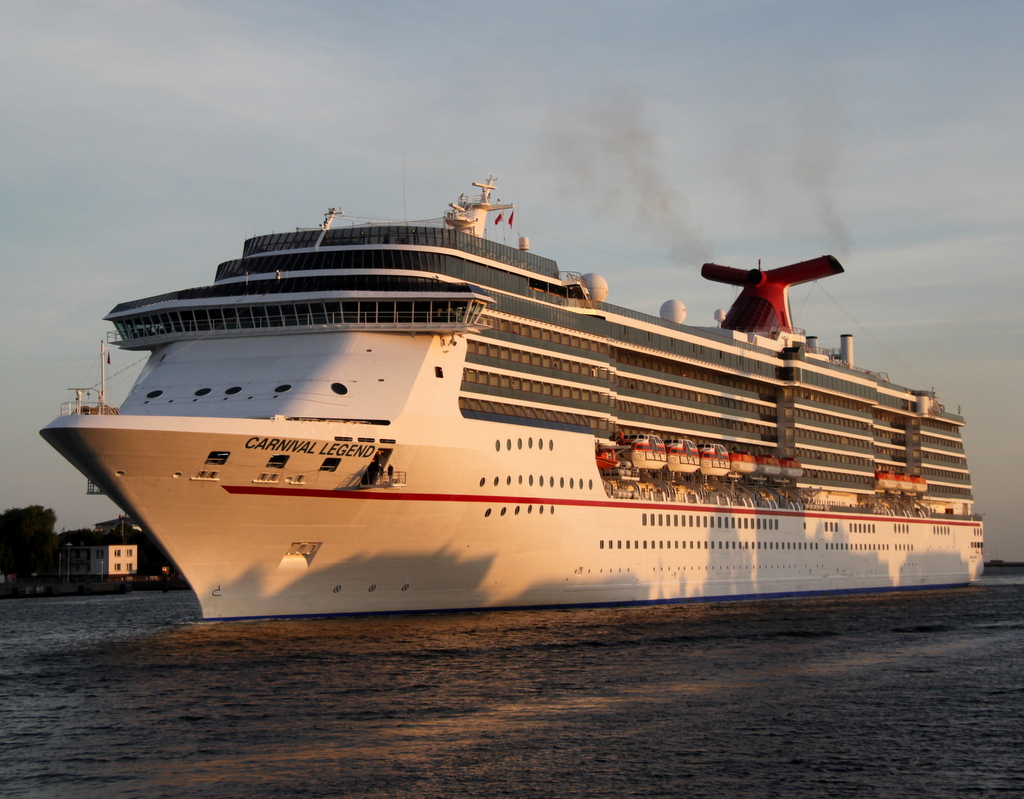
x=277 y=462
x=331 y=464
x=218 y=458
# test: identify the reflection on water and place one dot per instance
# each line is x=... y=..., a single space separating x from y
x=131 y=696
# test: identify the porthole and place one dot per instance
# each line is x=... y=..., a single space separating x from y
x=487 y=513
x=552 y=509
x=590 y=485
x=233 y=390
x=551 y=444
x=497 y=446
x=519 y=444
x=517 y=510
x=508 y=443
x=337 y=388
x=482 y=481
x=283 y=388
x=508 y=480
x=496 y=480
x=540 y=443
x=561 y=482
x=529 y=443
x=154 y=394
x=540 y=480
x=203 y=392
x=503 y=511
x=520 y=479
x=540 y=509
x=529 y=508
x=571 y=483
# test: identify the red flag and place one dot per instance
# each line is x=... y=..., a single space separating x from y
x=496 y=221
x=510 y=218
x=108 y=358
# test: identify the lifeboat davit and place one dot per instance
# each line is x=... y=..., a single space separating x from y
x=885 y=481
x=682 y=456
x=606 y=459
x=904 y=483
x=645 y=452
x=768 y=466
x=742 y=463
x=714 y=460
x=920 y=484
x=791 y=468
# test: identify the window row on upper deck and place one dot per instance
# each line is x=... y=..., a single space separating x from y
x=386 y=260
x=415 y=235
x=301 y=285
x=302 y=314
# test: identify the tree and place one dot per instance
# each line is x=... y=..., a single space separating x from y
x=27 y=540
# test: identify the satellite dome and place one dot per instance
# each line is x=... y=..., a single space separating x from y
x=673 y=311
x=597 y=286
x=720 y=315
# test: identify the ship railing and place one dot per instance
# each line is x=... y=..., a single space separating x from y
x=395 y=479
x=83 y=408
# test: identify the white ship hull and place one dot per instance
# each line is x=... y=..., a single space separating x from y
x=432 y=545
x=401 y=418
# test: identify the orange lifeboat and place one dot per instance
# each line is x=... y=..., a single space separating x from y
x=885 y=481
x=920 y=484
x=714 y=460
x=742 y=463
x=645 y=451
x=606 y=459
x=791 y=468
x=682 y=456
x=905 y=483
x=768 y=466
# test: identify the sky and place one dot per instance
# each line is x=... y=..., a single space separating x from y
x=143 y=141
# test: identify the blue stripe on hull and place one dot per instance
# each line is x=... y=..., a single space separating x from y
x=618 y=604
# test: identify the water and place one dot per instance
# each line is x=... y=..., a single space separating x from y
x=916 y=694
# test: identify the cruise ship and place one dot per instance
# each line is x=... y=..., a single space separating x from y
x=371 y=418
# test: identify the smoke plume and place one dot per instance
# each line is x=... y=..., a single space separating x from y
x=610 y=158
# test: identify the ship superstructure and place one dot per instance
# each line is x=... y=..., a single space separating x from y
x=399 y=417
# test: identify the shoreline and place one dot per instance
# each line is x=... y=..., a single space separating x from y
x=33 y=590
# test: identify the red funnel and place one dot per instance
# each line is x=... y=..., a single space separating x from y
x=763 y=305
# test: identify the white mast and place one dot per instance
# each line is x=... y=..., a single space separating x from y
x=103 y=375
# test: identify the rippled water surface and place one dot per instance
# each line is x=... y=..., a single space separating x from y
x=915 y=694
